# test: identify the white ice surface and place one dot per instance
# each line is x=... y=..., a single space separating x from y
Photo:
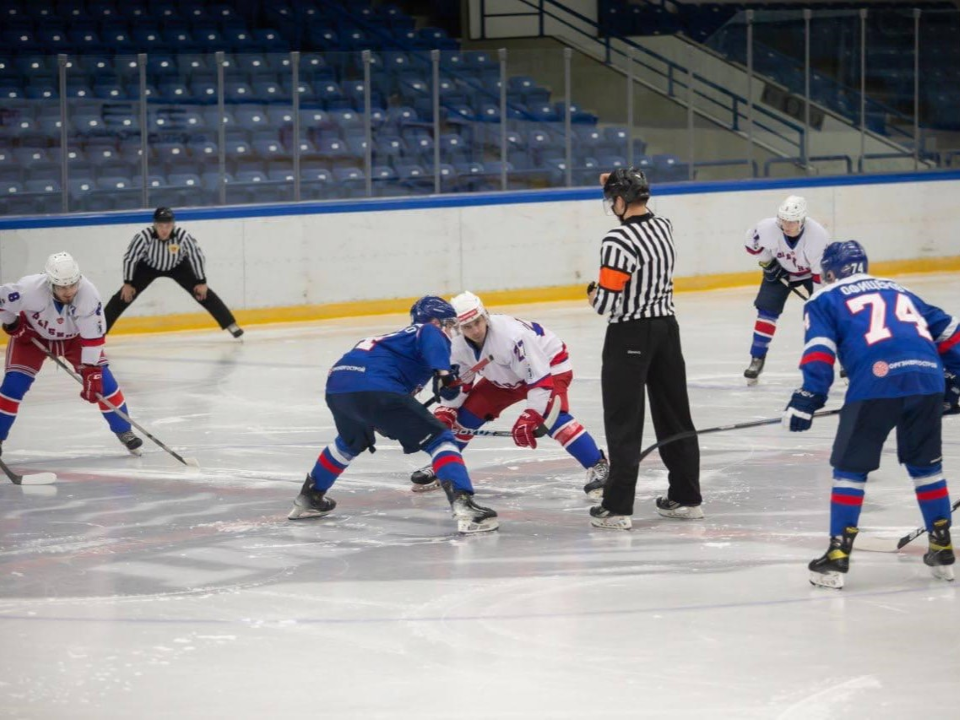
x=135 y=588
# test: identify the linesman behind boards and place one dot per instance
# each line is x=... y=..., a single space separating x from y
x=162 y=250
x=641 y=353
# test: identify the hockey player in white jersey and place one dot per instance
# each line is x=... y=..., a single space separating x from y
x=526 y=362
x=61 y=309
x=788 y=248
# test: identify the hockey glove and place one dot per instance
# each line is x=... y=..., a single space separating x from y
x=798 y=415
x=773 y=271
x=18 y=329
x=951 y=397
x=92 y=382
x=447 y=386
x=525 y=427
x=447 y=415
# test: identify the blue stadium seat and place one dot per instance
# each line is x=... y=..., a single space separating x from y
x=267 y=145
x=251 y=117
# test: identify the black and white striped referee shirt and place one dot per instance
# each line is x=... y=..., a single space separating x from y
x=163 y=255
x=637 y=261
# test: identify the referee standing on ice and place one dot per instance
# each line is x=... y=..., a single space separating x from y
x=641 y=352
x=163 y=250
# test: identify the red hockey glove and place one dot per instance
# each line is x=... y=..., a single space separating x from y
x=18 y=329
x=446 y=415
x=92 y=382
x=524 y=428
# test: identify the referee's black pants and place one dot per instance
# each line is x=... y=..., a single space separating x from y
x=640 y=356
x=143 y=275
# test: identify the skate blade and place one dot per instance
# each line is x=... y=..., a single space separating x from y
x=136 y=452
x=470 y=527
x=687 y=513
x=595 y=494
x=940 y=572
x=828 y=579
x=752 y=381
x=427 y=487
x=615 y=523
x=302 y=513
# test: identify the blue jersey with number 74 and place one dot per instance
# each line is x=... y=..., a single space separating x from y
x=891 y=343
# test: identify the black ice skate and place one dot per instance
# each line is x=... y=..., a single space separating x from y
x=131 y=442
x=828 y=571
x=424 y=479
x=940 y=557
x=235 y=330
x=670 y=509
x=471 y=518
x=311 y=503
x=602 y=518
x=597 y=478
x=753 y=372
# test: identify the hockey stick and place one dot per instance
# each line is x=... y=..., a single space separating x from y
x=722 y=428
x=794 y=290
x=886 y=545
x=476 y=368
x=44 y=478
x=189 y=462
x=548 y=422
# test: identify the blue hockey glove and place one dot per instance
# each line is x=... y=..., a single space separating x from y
x=798 y=415
x=773 y=271
x=951 y=397
x=447 y=386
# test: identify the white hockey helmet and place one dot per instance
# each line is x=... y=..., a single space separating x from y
x=793 y=209
x=62 y=270
x=468 y=306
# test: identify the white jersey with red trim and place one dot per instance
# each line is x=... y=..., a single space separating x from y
x=767 y=242
x=53 y=320
x=521 y=352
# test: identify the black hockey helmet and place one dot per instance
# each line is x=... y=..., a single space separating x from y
x=163 y=215
x=628 y=183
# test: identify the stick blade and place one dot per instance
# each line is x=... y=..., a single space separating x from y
x=877 y=544
x=44 y=478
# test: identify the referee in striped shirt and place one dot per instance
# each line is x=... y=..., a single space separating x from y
x=163 y=250
x=641 y=353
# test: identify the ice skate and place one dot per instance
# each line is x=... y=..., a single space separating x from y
x=471 y=518
x=940 y=558
x=131 y=442
x=424 y=479
x=670 y=509
x=752 y=373
x=597 y=478
x=828 y=570
x=235 y=330
x=311 y=503
x=602 y=518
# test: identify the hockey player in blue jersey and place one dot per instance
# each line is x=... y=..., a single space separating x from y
x=895 y=348
x=372 y=387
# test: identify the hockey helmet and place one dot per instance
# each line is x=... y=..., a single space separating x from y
x=793 y=209
x=843 y=259
x=62 y=270
x=628 y=183
x=163 y=215
x=468 y=307
x=431 y=307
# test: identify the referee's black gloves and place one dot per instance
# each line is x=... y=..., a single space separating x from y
x=591 y=287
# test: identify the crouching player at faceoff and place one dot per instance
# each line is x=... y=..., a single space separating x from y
x=891 y=343
x=372 y=387
x=526 y=362
x=62 y=309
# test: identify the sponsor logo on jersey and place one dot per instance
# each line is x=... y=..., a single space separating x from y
x=880 y=368
x=173 y=248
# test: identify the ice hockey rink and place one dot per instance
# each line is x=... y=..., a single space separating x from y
x=136 y=588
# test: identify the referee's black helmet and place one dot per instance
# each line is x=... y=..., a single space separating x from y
x=163 y=215
x=628 y=183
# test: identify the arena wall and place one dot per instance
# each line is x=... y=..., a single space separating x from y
x=305 y=261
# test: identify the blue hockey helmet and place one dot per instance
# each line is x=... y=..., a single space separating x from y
x=431 y=307
x=842 y=259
